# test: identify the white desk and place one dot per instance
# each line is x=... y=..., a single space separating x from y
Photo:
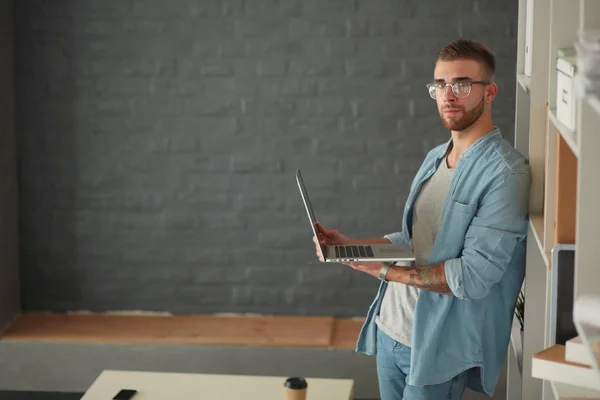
x=173 y=386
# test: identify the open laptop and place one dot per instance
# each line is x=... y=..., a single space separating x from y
x=398 y=253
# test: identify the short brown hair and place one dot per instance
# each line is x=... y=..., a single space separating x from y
x=464 y=49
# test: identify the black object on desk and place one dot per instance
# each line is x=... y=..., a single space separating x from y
x=125 y=394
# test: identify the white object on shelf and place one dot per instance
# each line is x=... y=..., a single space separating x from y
x=528 y=37
x=577 y=352
x=565 y=98
x=550 y=364
x=586 y=315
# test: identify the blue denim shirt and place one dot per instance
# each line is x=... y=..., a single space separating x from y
x=481 y=241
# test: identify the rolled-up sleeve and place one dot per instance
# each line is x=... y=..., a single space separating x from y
x=396 y=238
x=498 y=225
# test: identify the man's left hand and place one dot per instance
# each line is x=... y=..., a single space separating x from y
x=371 y=268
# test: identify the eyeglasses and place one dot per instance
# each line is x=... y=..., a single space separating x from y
x=460 y=89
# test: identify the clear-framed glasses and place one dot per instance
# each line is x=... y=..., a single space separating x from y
x=461 y=89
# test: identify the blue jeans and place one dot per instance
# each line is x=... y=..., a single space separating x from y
x=393 y=368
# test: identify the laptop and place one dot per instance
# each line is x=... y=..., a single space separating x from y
x=400 y=254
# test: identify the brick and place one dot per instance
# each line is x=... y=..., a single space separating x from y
x=403 y=8
x=418 y=69
x=248 y=162
x=265 y=276
x=330 y=106
x=260 y=258
x=232 y=8
x=432 y=27
x=270 y=126
x=217 y=202
x=260 y=8
x=248 y=295
x=208 y=28
x=348 y=86
x=367 y=68
x=264 y=107
x=309 y=27
x=357 y=26
x=210 y=107
x=285 y=87
x=274 y=46
x=90 y=7
x=477 y=27
x=323 y=275
x=317 y=67
x=140 y=9
x=290 y=145
x=262 y=27
x=226 y=87
x=282 y=238
x=209 y=271
x=313 y=127
x=423 y=10
x=230 y=47
x=373 y=164
x=330 y=8
x=221 y=67
x=272 y=67
x=341 y=47
x=252 y=202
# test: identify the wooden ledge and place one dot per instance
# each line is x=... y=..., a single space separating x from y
x=288 y=331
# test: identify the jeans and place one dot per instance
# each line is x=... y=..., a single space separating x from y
x=393 y=368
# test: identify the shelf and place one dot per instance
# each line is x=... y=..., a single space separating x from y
x=550 y=365
x=536 y=220
x=568 y=134
x=524 y=81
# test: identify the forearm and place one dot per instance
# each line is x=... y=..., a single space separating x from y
x=370 y=241
x=431 y=277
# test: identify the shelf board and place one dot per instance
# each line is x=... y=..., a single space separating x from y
x=524 y=81
x=550 y=365
x=568 y=134
x=536 y=220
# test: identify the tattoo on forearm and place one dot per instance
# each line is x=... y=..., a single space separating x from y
x=432 y=278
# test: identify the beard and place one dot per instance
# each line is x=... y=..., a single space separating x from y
x=468 y=118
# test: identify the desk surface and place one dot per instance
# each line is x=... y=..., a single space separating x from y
x=160 y=386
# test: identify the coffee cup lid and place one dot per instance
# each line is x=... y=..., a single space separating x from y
x=296 y=383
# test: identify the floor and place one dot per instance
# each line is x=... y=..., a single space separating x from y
x=10 y=395
x=42 y=396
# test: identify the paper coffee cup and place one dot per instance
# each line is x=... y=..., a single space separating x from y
x=295 y=388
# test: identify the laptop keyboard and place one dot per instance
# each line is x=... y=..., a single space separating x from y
x=353 y=251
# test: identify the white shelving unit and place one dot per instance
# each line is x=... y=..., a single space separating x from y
x=546 y=26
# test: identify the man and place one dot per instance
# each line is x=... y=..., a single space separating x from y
x=444 y=324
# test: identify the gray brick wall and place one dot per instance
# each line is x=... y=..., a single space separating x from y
x=159 y=140
x=9 y=246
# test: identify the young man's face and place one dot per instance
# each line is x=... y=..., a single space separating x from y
x=457 y=112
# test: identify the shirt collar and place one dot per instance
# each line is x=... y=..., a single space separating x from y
x=475 y=147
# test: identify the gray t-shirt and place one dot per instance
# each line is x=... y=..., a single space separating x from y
x=398 y=306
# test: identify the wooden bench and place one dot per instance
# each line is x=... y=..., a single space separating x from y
x=292 y=331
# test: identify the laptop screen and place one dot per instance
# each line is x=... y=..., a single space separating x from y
x=308 y=206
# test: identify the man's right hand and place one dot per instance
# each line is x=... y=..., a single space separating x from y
x=327 y=237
